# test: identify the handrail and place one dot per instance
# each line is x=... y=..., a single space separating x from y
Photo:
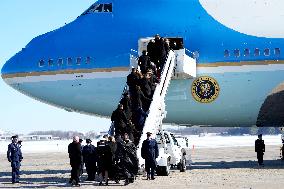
x=166 y=75
x=157 y=105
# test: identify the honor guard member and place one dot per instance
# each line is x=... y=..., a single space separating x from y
x=150 y=152
x=14 y=155
x=259 y=149
x=90 y=159
x=104 y=159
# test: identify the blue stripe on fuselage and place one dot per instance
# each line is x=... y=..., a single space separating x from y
x=108 y=37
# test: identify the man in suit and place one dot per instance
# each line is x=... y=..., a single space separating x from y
x=259 y=149
x=75 y=155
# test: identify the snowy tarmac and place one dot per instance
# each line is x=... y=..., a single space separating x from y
x=218 y=162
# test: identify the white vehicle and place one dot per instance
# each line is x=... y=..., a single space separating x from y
x=171 y=154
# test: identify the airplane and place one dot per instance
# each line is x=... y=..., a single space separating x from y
x=82 y=66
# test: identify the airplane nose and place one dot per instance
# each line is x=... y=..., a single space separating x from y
x=6 y=69
x=10 y=67
x=14 y=65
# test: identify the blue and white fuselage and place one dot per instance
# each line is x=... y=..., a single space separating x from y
x=83 y=65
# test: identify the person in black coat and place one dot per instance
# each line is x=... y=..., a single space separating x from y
x=130 y=158
x=90 y=159
x=120 y=120
x=144 y=62
x=259 y=149
x=132 y=80
x=104 y=160
x=14 y=155
x=75 y=155
x=150 y=152
x=160 y=52
x=140 y=100
x=126 y=102
x=151 y=50
x=82 y=164
x=141 y=117
x=146 y=86
x=153 y=80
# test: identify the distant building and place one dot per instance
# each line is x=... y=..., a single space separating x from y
x=29 y=137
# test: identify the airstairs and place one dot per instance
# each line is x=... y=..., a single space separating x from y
x=178 y=65
x=157 y=112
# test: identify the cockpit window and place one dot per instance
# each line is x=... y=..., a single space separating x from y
x=108 y=7
x=97 y=7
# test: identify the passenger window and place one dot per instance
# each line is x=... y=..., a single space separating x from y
x=266 y=52
x=237 y=53
x=50 y=62
x=41 y=63
x=246 y=52
x=256 y=52
x=60 y=62
x=69 y=61
x=226 y=53
x=277 y=51
x=78 y=61
x=88 y=60
x=108 y=7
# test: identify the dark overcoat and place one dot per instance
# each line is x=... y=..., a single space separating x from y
x=150 y=152
x=75 y=154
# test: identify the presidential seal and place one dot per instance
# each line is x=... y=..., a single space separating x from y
x=205 y=89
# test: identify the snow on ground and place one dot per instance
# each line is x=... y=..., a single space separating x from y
x=230 y=141
x=198 y=142
x=40 y=146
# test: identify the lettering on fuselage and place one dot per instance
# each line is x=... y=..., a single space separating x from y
x=205 y=89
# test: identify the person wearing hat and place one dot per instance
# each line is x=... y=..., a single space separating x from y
x=90 y=159
x=14 y=155
x=150 y=152
x=259 y=149
x=104 y=160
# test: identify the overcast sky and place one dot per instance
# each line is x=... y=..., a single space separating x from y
x=20 y=22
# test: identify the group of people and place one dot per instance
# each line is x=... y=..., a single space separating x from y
x=130 y=115
x=113 y=158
